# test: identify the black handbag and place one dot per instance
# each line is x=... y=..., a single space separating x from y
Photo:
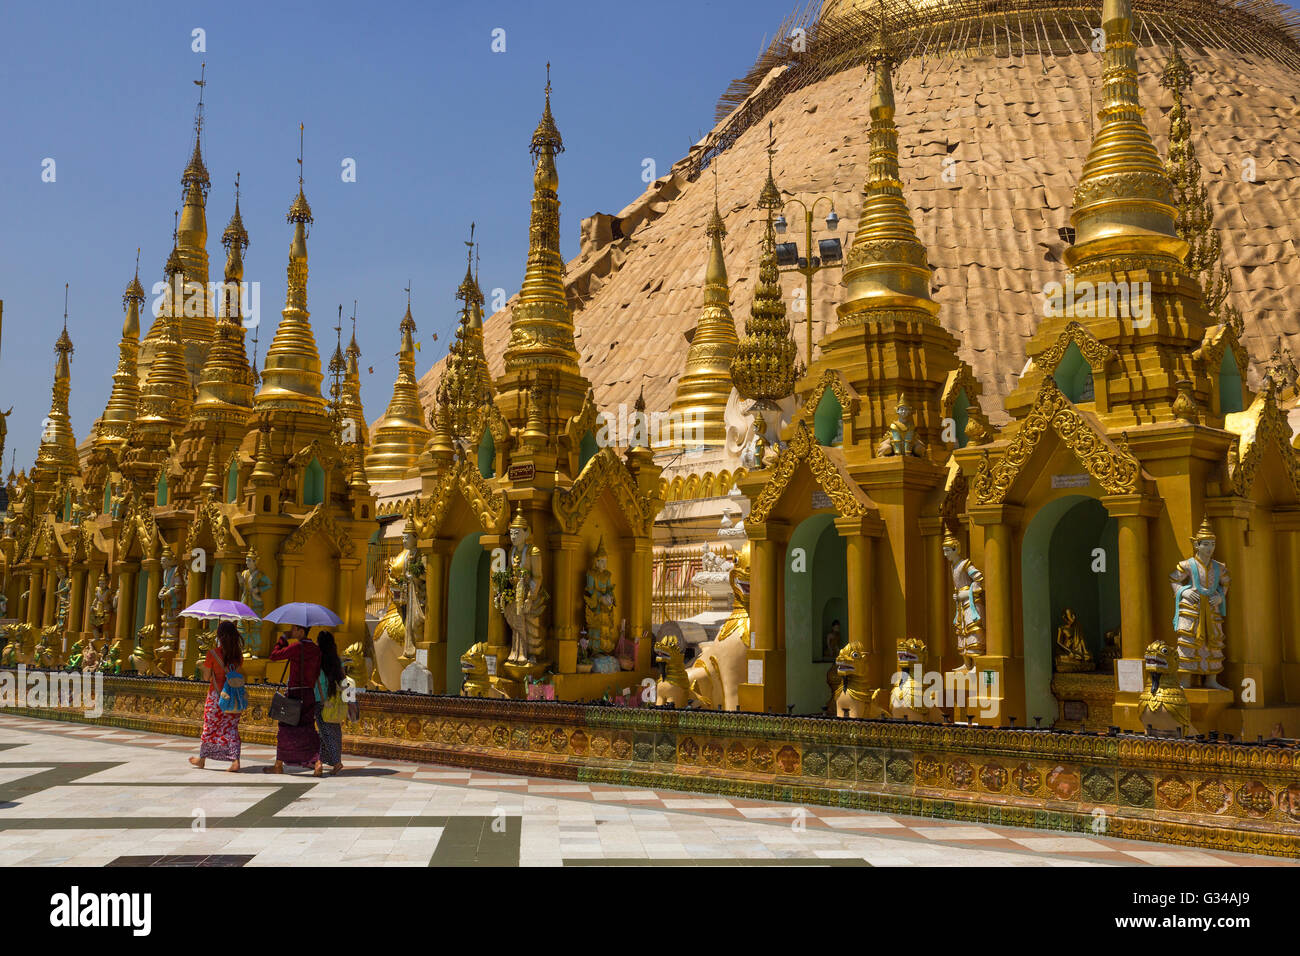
x=285 y=710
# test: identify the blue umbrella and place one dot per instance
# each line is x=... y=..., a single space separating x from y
x=304 y=614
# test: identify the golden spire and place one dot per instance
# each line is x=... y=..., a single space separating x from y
x=764 y=365
x=350 y=402
x=291 y=376
x=196 y=319
x=167 y=393
x=887 y=266
x=400 y=436
x=119 y=413
x=705 y=387
x=541 y=324
x=466 y=384
x=57 y=456
x=1195 y=218
x=225 y=392
x=1124 y=204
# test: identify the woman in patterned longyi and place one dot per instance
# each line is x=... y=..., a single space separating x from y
x=220 y=736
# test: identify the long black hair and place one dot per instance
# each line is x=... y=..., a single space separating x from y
x=231 y=645
x=330 y=664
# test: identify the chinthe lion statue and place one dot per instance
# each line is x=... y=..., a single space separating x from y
x=389 y=643
x=151 y=657
x=857 y=698
x=475 y=681
x=1163 y=707
x=712 y=681
x=18 y=646
x=905 y=700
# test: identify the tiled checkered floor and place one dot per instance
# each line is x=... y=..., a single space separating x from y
x=81 y=795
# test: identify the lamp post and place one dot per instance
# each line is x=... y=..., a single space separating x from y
x=788 y=258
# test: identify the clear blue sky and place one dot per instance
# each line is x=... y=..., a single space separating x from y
x=438 y=125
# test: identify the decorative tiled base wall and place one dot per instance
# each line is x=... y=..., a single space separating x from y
x=1214 y=795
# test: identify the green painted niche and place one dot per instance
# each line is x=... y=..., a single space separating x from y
x=1231 y=398
x=828 y=420
x=313 y=483
x=487 y=455
x=1074 y=376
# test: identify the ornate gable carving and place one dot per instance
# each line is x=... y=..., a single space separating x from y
x=605 y=470
x=1271 y=430
x=1112 y=464
x=320 y=521
x=1096 y=353
x=846 y=497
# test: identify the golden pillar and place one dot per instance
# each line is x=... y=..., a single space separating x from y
x=228 y=584
x=1286 y=525
x=497 y=640
x=639 y=598
x=35 y=597
x=76 y=608
x=124 y=626
x=1001 y=674
x=858 y=571
x=435 y=615
x=195 y=588
x=346 y=604
x=568 y=557
x=1132 y=513
x=152 y=568
x=766 y=651
x=1245 y=650
x=938 y=594
x=51 y=595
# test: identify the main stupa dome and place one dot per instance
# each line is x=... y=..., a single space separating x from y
x=996 y=111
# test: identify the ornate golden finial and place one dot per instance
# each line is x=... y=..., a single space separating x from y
x=134 y=290
x=400 y=436
x=546 y=138
x=887 y=266
x=235 y=234
x=763 y=369
x=769 y=197
x=705 y=387
x=466 y=384
x=1195 y=220
x=1124 y=203
x=196 y=173
x=541 y=323
x=56 y=458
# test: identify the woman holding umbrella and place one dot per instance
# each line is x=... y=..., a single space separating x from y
x=226 y=699
x=220 y=736
x=299 y=744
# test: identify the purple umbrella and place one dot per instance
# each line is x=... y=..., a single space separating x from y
x=304 y=614
x=220 y=609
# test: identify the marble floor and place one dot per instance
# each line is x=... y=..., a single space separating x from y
x=101 y=796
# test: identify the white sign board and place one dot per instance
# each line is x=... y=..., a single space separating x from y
x=422 y=656
x=820 y=500
x=1071 y=481
x=179 y=668
x=1129 y=672
x=756 y=671
x=491 y=661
